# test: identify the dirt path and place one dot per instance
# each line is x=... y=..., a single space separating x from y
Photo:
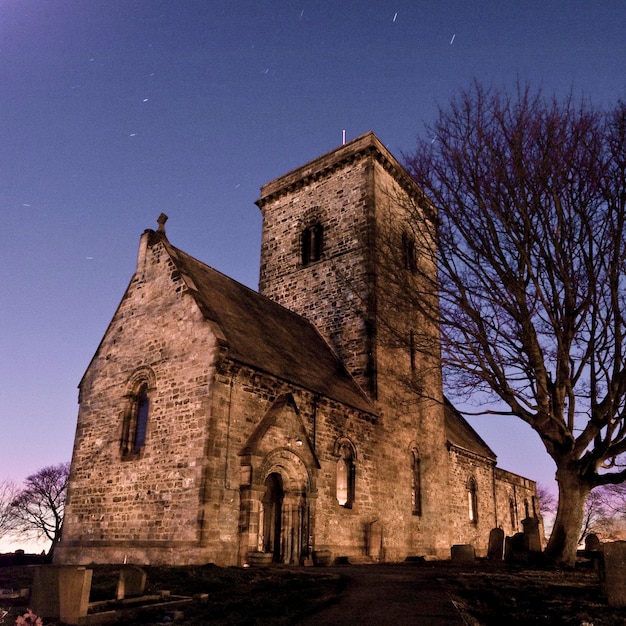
x=389 y=594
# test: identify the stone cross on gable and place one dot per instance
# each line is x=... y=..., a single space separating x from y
x=161 y=222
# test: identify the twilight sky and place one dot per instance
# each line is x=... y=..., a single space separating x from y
x=112 y=111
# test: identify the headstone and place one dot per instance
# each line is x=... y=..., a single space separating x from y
x=61 y=592
x=45 y=593
x=132 y=582
x=462 y=553
x=592 y=543
x=375 y=541
x=531 y=530
x=516 y=548
x=495 y=550
x=74 y=588
x=613 y=573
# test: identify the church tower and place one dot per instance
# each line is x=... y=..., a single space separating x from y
x=338 y=249
x=330 y=230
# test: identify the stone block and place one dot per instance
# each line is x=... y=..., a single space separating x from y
x=613 y=573
x=463 y=553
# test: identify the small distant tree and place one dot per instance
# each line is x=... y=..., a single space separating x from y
x=8 y=491
x=39 y=507
x=547 y=500
x=597 y=514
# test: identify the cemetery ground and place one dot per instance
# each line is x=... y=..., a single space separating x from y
x=484 y=593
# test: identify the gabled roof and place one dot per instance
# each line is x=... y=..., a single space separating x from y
x=261 y=333
x=460 y=434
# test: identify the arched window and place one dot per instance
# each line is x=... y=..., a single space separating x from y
x=345 y=474
x=135 y=426
x=312 y=242
x=472 y=500
x=416 y=483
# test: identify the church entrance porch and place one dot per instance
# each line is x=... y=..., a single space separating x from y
x=275 y=510
x=270 y=526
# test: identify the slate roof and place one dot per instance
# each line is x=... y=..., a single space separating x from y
x=265 y=335
x=460 y=434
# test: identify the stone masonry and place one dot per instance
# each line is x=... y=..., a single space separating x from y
x=216 y=423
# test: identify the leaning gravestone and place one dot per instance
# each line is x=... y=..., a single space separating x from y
x=495 y=551
x=613 y=573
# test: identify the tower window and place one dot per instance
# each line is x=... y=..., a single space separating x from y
x=416 y=483
x=409 y=260
x=312 y=242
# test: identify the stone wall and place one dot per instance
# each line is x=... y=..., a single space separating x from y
x=516 y=500
x=465 y=467
x=151 y=498
x=353 y=193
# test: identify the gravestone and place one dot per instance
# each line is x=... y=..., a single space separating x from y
x=495 y=551
x=592 y=543
x=462 y=553
x=61 y=592
x=132 y=582
x=531 y=530
x=613 y=573
x=74 y=588
x=45 y=594
x=516 y=548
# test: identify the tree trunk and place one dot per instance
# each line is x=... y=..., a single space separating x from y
x=573 y=492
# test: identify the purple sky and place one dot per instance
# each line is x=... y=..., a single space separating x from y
x=112 y=111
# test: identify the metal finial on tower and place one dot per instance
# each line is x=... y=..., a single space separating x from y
x=161 y=222
x=343 y=137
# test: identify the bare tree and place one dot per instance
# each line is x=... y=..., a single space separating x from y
x=39 y=507
x=547 y=500
x=8 y=491
x=528 y=195
x=596 y=514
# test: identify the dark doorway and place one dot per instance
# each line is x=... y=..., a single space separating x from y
x=272 y=515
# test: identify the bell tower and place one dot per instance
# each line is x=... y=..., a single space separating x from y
x=326 y=228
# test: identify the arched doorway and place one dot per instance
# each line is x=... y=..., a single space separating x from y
x=272 y=516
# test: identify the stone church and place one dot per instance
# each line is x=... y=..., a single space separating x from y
x=219 y=424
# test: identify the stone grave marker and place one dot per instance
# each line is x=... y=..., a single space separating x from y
x=132 y=582
x=613 y=573
x=516 y=548
x=531 y=530
x=462 y=553
x=495 y=550
x=592 y=543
